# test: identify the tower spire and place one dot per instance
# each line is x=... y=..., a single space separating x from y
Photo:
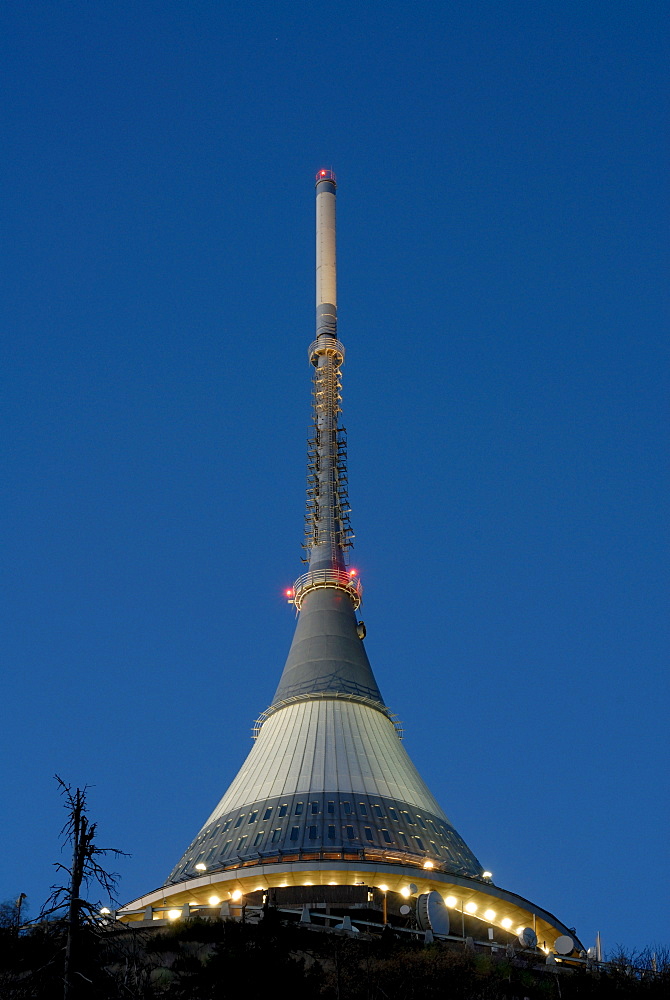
x=328 y=532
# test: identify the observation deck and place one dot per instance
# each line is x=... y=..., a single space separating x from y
x=330 y=578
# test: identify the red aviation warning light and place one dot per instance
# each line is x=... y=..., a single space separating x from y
x=353 y=572
x=325 y=175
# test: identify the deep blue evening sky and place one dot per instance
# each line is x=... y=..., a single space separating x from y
x=502 y=220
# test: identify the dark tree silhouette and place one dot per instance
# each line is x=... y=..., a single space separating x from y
x=84 y=872
x=11 y=913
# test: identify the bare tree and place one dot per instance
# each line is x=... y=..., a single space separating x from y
x=84 y=872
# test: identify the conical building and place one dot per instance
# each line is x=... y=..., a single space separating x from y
x=328 y=795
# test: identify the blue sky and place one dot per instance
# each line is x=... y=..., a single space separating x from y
x=502 y=236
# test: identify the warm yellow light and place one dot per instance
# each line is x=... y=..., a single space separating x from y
x=174 y=914
x=471 y=907
x=213 y=900
x=490 y=914
x=308 y=883
x=405 y=892
x=384 y=888
x=236 y=894
x=520 y=928
x=200 y=867
x=104 y=911
x=428 y=864
x=283 y=885
x=487 y=874
x=506 y=923
x=332 y=883
x=192 y=902
x=451 y=901
x=259 y=888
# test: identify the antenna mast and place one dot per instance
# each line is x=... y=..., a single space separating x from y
x=328 y=533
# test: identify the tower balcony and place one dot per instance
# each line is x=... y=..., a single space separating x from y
x=326 y=346
x=330 y=578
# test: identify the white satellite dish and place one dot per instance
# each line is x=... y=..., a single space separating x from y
x=564 y=944
x=405 y=909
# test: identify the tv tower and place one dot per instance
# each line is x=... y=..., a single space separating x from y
x=328 y=805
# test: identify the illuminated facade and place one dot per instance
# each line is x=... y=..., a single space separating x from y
x=328 y=794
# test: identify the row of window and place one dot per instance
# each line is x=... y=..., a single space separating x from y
x=313 y=834
x=314 y=808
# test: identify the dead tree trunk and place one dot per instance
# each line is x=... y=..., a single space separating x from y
x=80 y=833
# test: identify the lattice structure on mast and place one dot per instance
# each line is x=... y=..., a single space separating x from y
x=327 y=518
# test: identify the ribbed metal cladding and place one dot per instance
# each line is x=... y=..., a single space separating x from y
x=324 y=774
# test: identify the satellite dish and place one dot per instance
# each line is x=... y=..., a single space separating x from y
x=564 y=944
x=431 y=913
x=405 y=909
x=527 y=937
x=413 y=888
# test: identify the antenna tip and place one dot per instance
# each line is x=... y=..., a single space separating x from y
x=325 y=175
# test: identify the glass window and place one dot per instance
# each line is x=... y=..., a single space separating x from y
x=378 y=811
x=298 y=808
x=227 y=847
x=363 y=808
x=408 y=817
x=435 y=847
x=331 y=807
x=239 y=820
x=393 y=814
x=315 y=808
x=420 y=843
x=276 y=834
x=228 y=822
x=350 y=832
x=368 y=834
x=252 y=817
x=331 y=833
x=282 y=809
x=312 y=833
x=387 y=836
x=403 y=838
x=240 y=843
x=422 y=822
x=266 y=814
x=295 y=832
x=257 y=839
x=347 y=808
